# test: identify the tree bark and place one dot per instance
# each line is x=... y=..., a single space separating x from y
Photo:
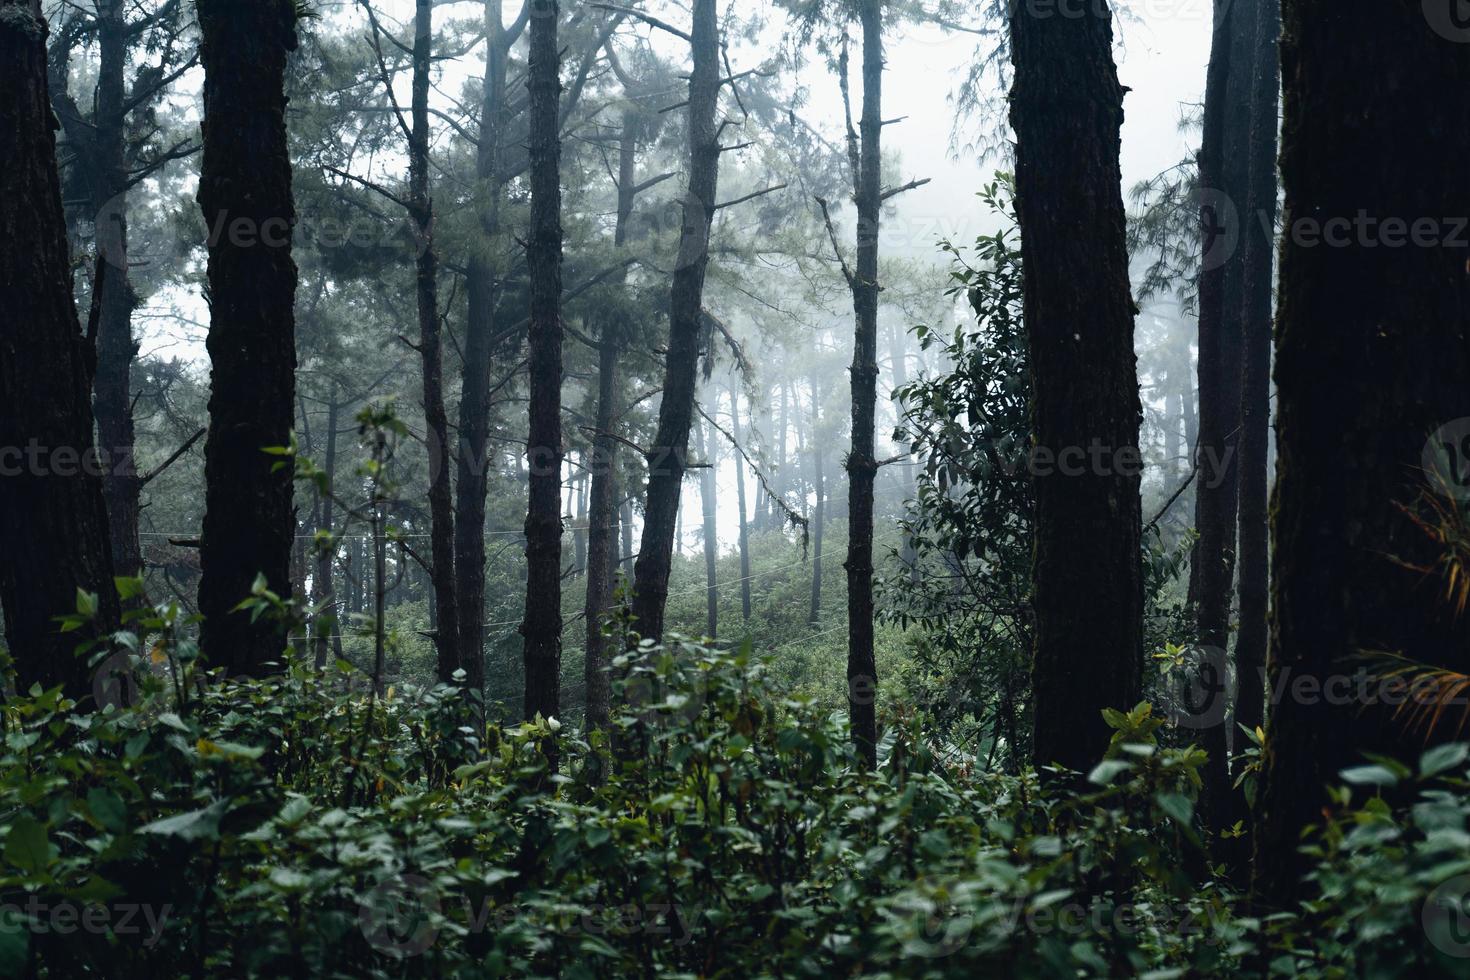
x=1259 y=294
x=245 y=194
x=1370 y=138
x=670 y=448
x=56 y=522
x=862 y=467
x=542 y=626
x=1066 y=110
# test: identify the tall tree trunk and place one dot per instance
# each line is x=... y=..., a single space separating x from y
x=671 y=442
x=743 y=527
x=862 y=466
x=819 y=512
x=1222 y=195
x=1370 y=139
x=112 y=400
x=710 y=507
x=328 y=622
x=245 y=193
x=482 y=295
x=447 y=638
x=1066 y=109
x=603 y=512
x=1213 y=564
x=56 y=522
x=542 y=626
x=1259 y=293
x=601 y=536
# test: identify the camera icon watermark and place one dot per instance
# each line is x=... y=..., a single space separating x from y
x=1450 y=19
x=1446 y=917
x=397 y=917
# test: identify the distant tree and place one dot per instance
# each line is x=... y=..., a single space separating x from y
x=245 y=194
x=1373 y=398
x=1067 y=110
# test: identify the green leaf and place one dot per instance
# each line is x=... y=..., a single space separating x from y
x=1442 y=757
x=194 y=825
x=128 y=587
x=1369 y=776
x=107 y=808
x=86 y=603
x=1177 y=806
x=26 y=846
x=1107 y=770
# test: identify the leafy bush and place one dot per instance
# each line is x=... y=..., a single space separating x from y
x=304 y=825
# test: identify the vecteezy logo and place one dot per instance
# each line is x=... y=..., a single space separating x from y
x=397 y=917
x=1447 y=459
x=1205 y=700
x=1446 y=917
x=1450 y=19
x=1220 y=223
x=113 y=683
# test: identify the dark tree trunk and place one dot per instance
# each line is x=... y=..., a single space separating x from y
x=1370 y=139
x=862 y=467
x=431 y=353
x=112 y=397
x=482 y=295
x=1223 y=196
x=1066 y=109
x=328 y=623
x=744 y=528
x=245 y=193
x=819 y=512
x=601 y=536
x=710 y=507
x=670 y=449
x=56 y=521
x=1212 y=567
x=1259 y=293
x=542 y=626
